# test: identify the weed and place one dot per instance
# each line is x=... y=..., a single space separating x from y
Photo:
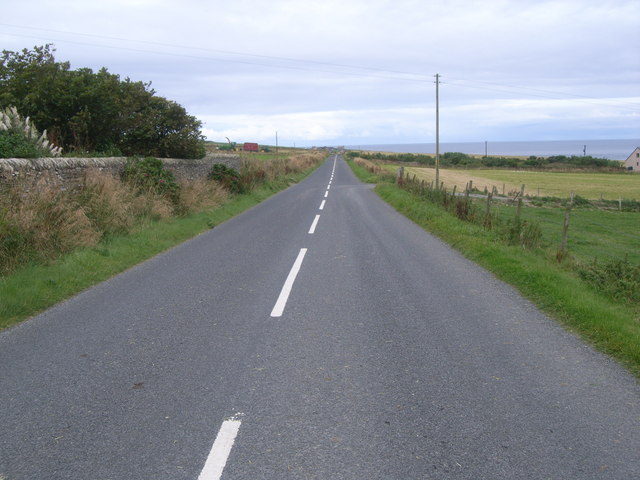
x=620 y=279
x=523 y=233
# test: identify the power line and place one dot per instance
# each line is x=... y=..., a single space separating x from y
x=309 y=65
x=210 y=50
x=549 y=94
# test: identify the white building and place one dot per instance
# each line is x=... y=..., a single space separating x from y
x=633 y=162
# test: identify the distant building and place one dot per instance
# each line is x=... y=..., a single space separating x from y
x=250 y=147
x=633 y=162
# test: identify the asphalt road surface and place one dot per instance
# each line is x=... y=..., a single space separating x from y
x=319 y=335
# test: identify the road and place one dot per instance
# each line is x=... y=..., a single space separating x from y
x=318 y=335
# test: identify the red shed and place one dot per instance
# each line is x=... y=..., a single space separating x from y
x=250 y=147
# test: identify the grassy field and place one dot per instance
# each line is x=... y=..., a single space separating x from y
x=611 y=186
x=593 y=234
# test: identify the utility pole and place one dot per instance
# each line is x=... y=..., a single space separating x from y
x=437 y=132
x=276 y=144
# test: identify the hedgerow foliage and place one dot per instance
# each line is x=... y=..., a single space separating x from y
x=453 y=159
x=227 y=176
x=84 y=111
x=149 y=174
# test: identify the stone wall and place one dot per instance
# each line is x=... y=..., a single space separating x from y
x=69 y=172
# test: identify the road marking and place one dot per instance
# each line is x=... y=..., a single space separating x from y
x=322 y=204
x=288 y=285
x=312 y=230
x=326 y=194
x=328 y=186
x=221 y=449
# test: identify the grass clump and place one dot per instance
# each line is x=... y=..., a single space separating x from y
x=619 y=279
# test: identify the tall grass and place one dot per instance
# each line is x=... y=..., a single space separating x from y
x=39 y=223
x=54 y=243
x=254 y=173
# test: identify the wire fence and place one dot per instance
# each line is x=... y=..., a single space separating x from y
x=586 y=231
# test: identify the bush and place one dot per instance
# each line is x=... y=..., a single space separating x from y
x=13 y=145
x=227 y=177
x=149 y=174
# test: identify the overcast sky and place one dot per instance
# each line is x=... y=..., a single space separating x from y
x=351 y=72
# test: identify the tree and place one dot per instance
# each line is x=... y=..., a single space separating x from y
x=87 y=111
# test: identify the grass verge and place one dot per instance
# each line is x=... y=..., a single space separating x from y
x=610 y=326
x=34 y=288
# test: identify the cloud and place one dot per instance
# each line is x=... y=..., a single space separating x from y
x=518 y=118
x=362 y=70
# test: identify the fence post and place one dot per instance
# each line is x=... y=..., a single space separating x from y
x=519 y=208
x=562 y=252
x=399 y=175
x=487 y=213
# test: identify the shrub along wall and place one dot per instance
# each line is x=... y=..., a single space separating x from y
x=69 y=172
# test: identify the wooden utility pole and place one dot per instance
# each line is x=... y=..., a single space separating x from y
x=437 y=131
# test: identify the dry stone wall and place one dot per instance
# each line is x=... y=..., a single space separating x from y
x=69 y=172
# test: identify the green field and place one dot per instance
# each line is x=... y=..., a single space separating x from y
x=609 y=186
x=593 y=234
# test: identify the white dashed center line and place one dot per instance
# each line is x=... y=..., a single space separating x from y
x=314 y=224
x=288 y=285
x=221 y=449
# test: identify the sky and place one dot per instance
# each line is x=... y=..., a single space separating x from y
x=362 y=72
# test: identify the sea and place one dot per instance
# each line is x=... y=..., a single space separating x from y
x=609 y=149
